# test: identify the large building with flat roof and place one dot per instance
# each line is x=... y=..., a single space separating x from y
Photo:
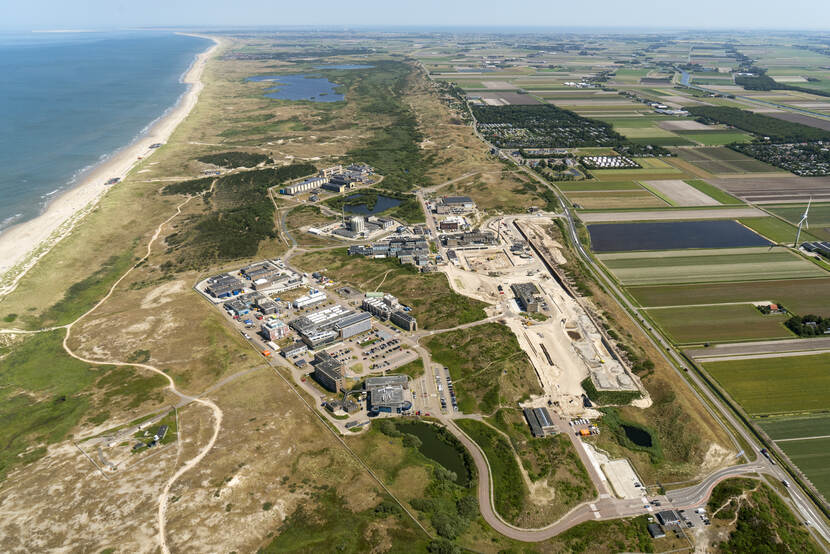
x=527 y=295
x=540 y=422
x=327 y=372
x=389 y=399
x=372 y=383
x=404 y=321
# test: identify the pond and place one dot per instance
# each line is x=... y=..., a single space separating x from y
x=436 y=449
x=672 y=235
x=300 y=87
x=382 y=204
x=637 y=435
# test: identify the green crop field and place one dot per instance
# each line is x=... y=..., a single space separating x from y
x=713 y=192
x=813 y=458
x=819 y=218
x=587 y=186
x=716 y=138
x=801 y=296
x=646 y=174
x=775 y=229
x=729 y=322
x=707 y=266
x=616 y=200
x=641 y=132
x=782 y=385
x=796 y=427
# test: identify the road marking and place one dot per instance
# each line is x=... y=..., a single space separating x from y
x=596 y=515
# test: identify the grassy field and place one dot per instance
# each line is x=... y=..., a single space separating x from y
x=819 y=218
x=432 y=300
x=775 y=230
x=713 y=265
x=47 y=393
x=728 y=322
x=713 y=191
x=796 y=427
x=509 y=490
x=802 y=296
x=813 y=458
x=789 y=384
x=644 y=174
x=716 y=138
x=588 y=186
x=719 y=159
x=616 y=199
x=487 y=365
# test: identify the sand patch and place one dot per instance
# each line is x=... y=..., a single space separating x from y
x=499 y=85
x=681 y=193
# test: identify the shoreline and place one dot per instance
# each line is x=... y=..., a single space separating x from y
x=23 y=244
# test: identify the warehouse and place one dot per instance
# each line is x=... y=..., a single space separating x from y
x=527 y=296
x=327 y=372
x=303 y=186
x=455 y=204
x=313 y=298
x=372 y=383
x=224 y=285
x=354 y=325
x=540 y=422
x=469 y=240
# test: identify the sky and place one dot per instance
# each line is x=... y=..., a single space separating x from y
x=694 y=14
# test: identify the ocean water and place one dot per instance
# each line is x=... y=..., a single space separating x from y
x=69 y=100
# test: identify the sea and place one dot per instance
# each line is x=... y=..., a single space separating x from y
x=68 y=101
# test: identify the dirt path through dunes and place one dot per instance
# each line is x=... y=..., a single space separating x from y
x=217 y=412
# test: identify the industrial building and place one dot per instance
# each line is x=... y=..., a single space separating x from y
x=528 y=296
x=381 y=306
x=357 y=224
x=409 y=251
x=469 y=240
x=296 y=349
x=819 y=247
x=334 y=178
x=540 y=422
x=353 y=325
x=404 y=321
x=372 y=383
x=386 y=394
x=452 y=223
x=655 y=531
x=223 y=286
x=668 y=518
x=327 y=372
x=455 y=204
x=326 y=325
x=274 y=329
x=313 y=298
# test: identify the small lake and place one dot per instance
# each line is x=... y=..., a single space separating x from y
x=382 y=204
x=300 y=87
x=638 y=436
x=672 y=235
x=435 y=449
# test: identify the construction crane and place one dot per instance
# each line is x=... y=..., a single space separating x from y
x=803 y=222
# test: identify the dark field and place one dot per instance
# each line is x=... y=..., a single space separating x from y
x=719 y=159
x=802 y=296
x=671 y=235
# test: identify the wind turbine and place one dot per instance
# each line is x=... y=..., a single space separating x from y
x=803 y=222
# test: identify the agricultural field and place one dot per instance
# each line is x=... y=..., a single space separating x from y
x=716 y=138
x=707 y=266
x=680 y=193
x=719 y=159
x=617 y=199
x=812 y=456
x=775 y=230
x=671 y=235
x=587 y=186
x=780 y=385
x=796 y=427
x=714 y=192
x=801 y=296
x=819 y=218
x=722 y=323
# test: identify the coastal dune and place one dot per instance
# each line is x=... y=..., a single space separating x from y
x=24 y=244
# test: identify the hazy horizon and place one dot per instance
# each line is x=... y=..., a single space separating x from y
x=744 y=15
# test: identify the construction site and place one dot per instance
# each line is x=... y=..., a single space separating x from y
x=564 y=341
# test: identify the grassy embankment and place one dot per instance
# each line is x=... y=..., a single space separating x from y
x=756 y=518
x=47 y=394
x=488 y=367
x=429 y=295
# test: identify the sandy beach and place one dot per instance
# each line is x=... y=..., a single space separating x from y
x=22 y=245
